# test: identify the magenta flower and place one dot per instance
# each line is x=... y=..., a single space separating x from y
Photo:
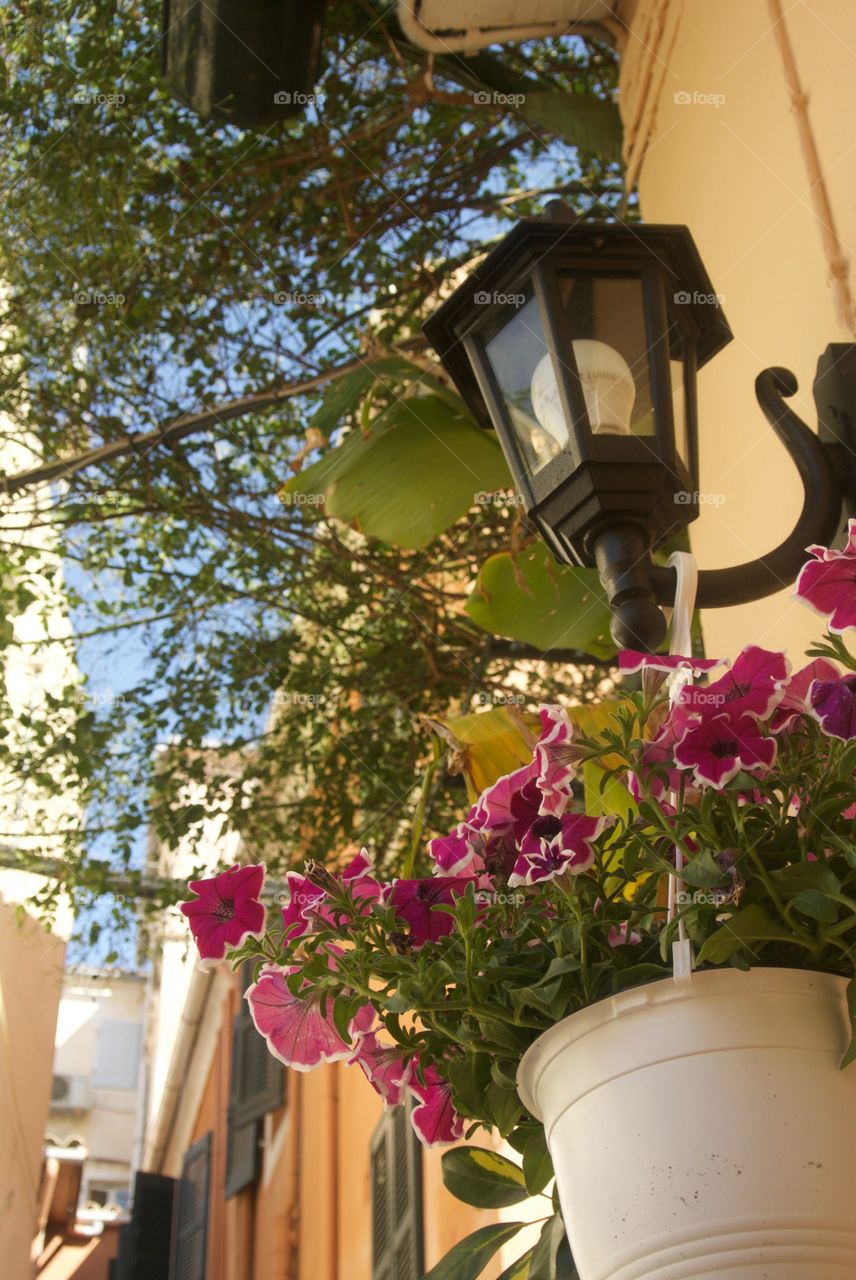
x=554 y=845
x=631 y=661
x=827 y=584
x=718 y=748
x=303 y=898
x=384 y=1068
x=296 y=1031
x=795 y=703
x=415 y=900
x=660 y=751
x=455 y=852
x=307 y=904
x=555 y=760
x=513 y=801
x=833 y=703
x=225 y=911
x=434 y=1118
x=753 y=686
x=622 y=935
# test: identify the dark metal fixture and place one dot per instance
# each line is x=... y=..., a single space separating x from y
x=243 y=62
x=579 y=343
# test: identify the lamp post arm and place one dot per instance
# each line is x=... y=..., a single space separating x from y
x=818 y=521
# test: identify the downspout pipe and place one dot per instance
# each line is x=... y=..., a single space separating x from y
x=199 y=993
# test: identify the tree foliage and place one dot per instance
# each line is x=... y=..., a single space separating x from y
x=156 y=265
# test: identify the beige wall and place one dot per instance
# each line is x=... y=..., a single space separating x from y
x=31 y=961
x=729 y=164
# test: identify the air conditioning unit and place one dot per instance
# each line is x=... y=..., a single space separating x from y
x=71 y=1093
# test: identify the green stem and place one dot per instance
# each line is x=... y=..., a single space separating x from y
x=419 y=816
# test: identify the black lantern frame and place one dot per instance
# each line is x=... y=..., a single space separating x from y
x=610 y=499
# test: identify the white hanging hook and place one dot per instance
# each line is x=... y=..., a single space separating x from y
x=686 y=571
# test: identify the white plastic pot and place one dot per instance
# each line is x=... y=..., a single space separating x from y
x=703 y=1130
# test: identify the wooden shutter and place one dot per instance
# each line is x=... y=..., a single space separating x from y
x=190 y=1223
x=144 y=1242
x=257 y=1086
x=396 y=1179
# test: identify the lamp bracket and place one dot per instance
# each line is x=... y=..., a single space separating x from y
x=817 y=458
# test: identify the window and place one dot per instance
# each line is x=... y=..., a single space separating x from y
x=190 y=1219
x=117 y=1055
x=396 y=1180
x=144 y=1242
x=257 y=1087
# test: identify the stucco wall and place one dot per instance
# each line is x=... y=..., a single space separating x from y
x=31 y=961
x=712 y=135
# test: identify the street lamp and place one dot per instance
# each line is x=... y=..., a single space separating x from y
x=579 y=343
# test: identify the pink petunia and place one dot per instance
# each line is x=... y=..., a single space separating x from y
x=455 y=852
x=833 y=703
x=553 y=846
x=434 y=1118
x=795 y=703
x=296 y=1030
x=555 y=759
x=631 y=660
x=827 y=584
x=414 y=901
x=753 y=686
x=225 y=911
x=303 y=898
x=384 y=1068
x=718 y=748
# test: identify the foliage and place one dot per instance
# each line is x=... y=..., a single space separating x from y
x=158 y=266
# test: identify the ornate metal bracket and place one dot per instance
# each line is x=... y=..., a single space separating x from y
x=826 y=463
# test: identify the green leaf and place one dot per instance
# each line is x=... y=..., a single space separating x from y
x=418 y=470
x=483 y=1178
x=584 y=121
x=533 y=598
x=537 y=1164
x=799 y=876
x=543 y=1264
x=469 y=1258
x=343 y=394
x=703 y=871
x=519 y=1270
x=751 y=924
x=817 y=906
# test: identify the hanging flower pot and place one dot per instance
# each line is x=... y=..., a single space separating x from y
x=704 y=1129
x=537 y=978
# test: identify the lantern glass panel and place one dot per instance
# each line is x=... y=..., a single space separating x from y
x=515 y=347
x=676 y=373
x=606 y=319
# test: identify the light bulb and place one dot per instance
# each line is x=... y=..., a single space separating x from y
x=608 y=388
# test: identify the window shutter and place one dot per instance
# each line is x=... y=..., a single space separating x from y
x=144 y=1242
x=190 y=1230
x=396 y=1179
x=257 y=1086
